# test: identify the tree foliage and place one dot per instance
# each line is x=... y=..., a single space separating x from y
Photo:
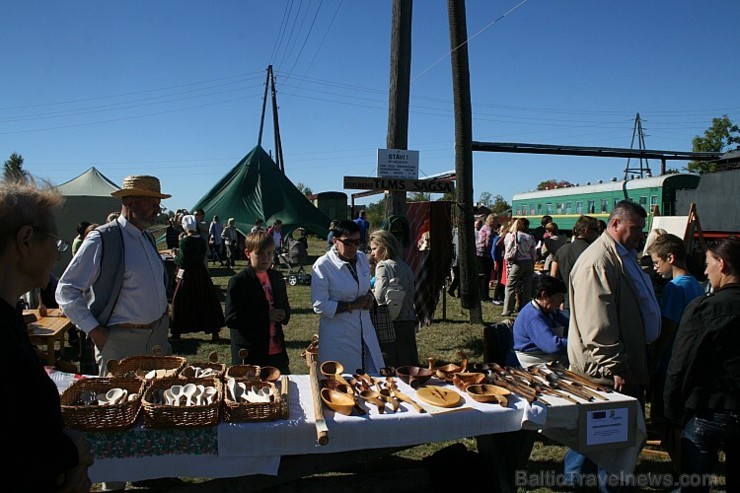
x=717 y=138
x=486 y=199
x=304 y=189
x=13 y=169
x=419 y=197
x=553 y=183
x=375 y=212
x=499 y=205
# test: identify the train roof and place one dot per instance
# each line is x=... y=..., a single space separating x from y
x=610 y=186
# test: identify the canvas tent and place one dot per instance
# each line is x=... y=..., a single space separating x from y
x=256 y=188
x=86 y=198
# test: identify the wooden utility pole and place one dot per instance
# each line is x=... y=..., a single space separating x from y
x=469 y=291
x=398 y=107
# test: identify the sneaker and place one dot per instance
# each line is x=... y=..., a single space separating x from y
x=498 y=302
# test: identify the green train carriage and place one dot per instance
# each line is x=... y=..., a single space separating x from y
x=567 y=204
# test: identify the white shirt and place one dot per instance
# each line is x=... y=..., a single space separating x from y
x=143 y=296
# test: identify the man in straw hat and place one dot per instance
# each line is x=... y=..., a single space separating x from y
x=115 y=288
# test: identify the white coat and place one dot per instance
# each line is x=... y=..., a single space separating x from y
x=340 y=334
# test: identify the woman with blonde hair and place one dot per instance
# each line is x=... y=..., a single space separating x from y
x=386 y=250
x=520 y=256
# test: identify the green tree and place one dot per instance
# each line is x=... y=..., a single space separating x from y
x=448 y=196
x=553 y=183
x=486 y=199
x=375 y=212
x=13 y=169
x=717 y=138
x=499 y=205
x=304 y=189
x=419 y=197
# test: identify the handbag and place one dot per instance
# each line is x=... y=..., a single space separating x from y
x=381 y=318
x=394 y=294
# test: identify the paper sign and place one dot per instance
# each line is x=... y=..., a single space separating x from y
x=606 y=426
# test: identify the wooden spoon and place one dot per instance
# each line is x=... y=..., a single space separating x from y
x=373 y=397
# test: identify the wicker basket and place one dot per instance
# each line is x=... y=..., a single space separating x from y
x=189 y=370
x=236 y=412
x=167 y=416
x=109 y=417
x=136 y=366
x=243 y=372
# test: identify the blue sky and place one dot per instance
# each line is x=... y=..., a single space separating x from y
x=174 y=88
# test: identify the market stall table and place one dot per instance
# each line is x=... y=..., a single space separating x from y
x=47 y=331
x=241 y=449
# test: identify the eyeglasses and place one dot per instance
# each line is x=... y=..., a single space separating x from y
x=62 y=245
x=348 y=242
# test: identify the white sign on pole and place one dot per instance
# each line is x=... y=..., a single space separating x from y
x=398 y=163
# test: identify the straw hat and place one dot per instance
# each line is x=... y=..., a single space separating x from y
x=140 y=186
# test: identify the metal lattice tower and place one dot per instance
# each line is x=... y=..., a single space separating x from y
x=644 y=168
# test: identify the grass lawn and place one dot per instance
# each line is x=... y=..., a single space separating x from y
x=404 y=471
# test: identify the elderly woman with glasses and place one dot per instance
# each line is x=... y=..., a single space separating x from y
x=341 y=296
x=41 y=454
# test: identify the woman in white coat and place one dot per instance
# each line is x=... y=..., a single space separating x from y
x=341 y=296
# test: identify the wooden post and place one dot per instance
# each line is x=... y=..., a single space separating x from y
x=398 y=107
x=469 y=292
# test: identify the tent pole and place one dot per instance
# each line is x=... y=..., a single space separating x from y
x=264 y=103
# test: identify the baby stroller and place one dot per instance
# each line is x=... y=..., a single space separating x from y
x=291 y=259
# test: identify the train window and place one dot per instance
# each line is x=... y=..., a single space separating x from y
x=604 y=205
x=539 y=209
x=548 y=208
x=579 y=207
x=559 y=208
x=643 y=201
x=591 y=206
x=532 y=212
x=524 y=210
x=568 y=207
x=653 y=201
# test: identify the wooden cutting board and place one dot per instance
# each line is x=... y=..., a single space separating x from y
x=438 y=396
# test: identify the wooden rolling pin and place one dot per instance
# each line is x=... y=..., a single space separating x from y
x=284 y=397
x=322 y=431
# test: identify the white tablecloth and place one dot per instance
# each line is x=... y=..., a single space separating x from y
x=256 y=448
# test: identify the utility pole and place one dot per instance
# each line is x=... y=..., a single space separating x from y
x=398 y=107
x=469 y=291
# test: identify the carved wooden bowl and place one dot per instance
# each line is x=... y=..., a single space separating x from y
x=483 y=392
x=415 y=376
x=338 y=402
x=463 y=379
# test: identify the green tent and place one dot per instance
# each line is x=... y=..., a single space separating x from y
x=87 y=197
x=256 y=188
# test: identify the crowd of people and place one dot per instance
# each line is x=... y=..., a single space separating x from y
x=623 y=310
x=594 y=308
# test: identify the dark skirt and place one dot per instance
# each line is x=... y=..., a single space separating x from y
x=195 y=304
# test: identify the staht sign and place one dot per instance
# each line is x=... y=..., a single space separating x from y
x=397 y=185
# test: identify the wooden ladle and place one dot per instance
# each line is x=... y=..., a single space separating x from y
x=333 y=370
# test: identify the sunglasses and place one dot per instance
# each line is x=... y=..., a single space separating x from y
x=348 y=242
